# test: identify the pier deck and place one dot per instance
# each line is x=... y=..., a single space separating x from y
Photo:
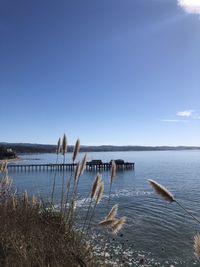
x=68 y=166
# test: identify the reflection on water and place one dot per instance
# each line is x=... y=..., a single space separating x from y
x=158 y=231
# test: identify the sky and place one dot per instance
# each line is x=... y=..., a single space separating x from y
x=117 y=72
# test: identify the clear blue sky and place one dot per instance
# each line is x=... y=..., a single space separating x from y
x=107 y=71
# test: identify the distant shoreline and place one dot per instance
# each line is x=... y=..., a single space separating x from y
x=99 y=151
x=26 y=148
x=134 y=150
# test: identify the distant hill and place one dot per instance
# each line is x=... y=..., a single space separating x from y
x=40 y=148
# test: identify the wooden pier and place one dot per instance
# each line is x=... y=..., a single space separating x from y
x=90 y=166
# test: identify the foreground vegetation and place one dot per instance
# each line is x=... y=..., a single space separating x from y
x=37 y=234
x=168 y=196
x=32 y=236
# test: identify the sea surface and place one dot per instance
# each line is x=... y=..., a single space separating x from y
x=157 y=232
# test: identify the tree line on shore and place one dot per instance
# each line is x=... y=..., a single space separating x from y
x=7 y=153
x=21 y=148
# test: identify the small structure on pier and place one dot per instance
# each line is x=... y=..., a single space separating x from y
x=94 y=163
x=117 y=161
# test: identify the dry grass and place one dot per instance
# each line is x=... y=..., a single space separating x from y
x=34 y=234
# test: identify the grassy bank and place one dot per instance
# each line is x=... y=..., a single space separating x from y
x=35 y=234
x=31 y=235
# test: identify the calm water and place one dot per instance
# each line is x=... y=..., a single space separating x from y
x=158 y=230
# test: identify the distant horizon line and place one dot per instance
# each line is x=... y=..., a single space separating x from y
x=103 y=145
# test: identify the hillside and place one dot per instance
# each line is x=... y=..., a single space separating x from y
x=41 y=148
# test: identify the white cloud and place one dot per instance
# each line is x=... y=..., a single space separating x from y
x=190 y=6
x=185 y=113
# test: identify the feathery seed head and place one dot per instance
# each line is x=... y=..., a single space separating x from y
x=95 y=185
x=64 y=144
x=197 y=246
x=113 y=171
x=5 y=183
x=112 y=213
x=34 y=201
x=117 y=226
x=74 y=204
x=25 y=198
x=77 y=172
x=68 y=185
x=162 y=191
x=76 y=150
x=83 y=165
x=3 y=167
x=58 y=146
x=108 y=223
x=13 y=202
x=100 y=192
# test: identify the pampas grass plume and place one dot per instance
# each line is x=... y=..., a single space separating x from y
x=68 y=185
x=83 y=165
x=116 y=227
x=112 y=213
x=34 y=201
x=64 y=144
x=95 y=185
x=76 y=150
x=74 y=204
x=3 y=167
x=100 y=192
x=113 y=171
x=162 y=191
x=25 y=198
x=58 y=148
x=5 y=183
x=197 y=246
x=13 y=203
x=77 y=172
x=108 y=223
